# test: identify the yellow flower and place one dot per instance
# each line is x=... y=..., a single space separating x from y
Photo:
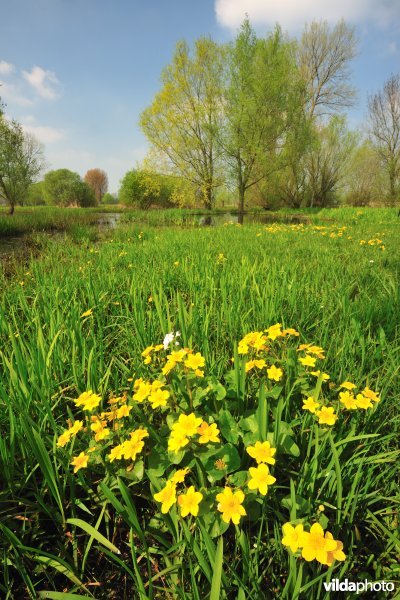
x=63 y=439
x=87 y=313
x=159 y=398
x=326 y=416
x=80 y=462
x=274 y=331
x=167 y=368
x=291 y=536
x=179 y=475
x=317 y=351
x=348 y=400
x=363 y=402
x=260 y=478
x=139 y=434
x=262 y=452
x=310 y=404
x=177 y=356
x=325 y=376
x=147 y=351
x=143 y=391
x=101 y=434
x=77 y=426
x=274 y=373
x=132 y=447
x=370 y=394
x=189 y=502
x=337 y=553
x=177 y=441
x=92 y=402
x=308 y=361
x=230 y=505
x=208 y=433
x=347 y=385
x=124 y=411
x=290 y=331
x=137 y=382
x=83 y=398
x=315 y=545
x=194 y=361
x=167 y=497
x=116 y=453
x=187 y=425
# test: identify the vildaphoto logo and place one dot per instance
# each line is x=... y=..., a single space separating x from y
x=358 y=586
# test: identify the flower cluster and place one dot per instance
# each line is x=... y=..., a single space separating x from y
x=188 y=426
x=314 y=545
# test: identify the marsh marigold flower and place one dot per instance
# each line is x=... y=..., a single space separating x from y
x=260 y=478
x=195 y=361
x=326 y=416
x=167 y=497
x=370 y=394
x=208 y=433
x=262 y=452
x=80 y=462
x=179 y=475
x=347 y=385
x=363 y=402
x=230 y=505
x=187 y=425
x=177 y=440
x=315 y=545
x=336 y=554
x=292 y=536
x=308 y=361
x=348 y=400
x=189 y=502
x=158 y=398
x=274 y=373
x=310 y=404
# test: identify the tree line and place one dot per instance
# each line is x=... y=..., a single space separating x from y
x=263 y=119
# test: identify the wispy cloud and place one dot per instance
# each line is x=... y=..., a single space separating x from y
x=12 y=95
x=45 y=83
x=293 y=14
x=6 y=68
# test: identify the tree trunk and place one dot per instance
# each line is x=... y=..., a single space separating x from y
x=241 y=190
x=12 y=208
x=208 y=197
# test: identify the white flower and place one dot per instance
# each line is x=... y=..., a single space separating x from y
x=168 y=339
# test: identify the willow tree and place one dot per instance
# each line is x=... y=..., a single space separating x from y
x=184 y=118
x=260 y=103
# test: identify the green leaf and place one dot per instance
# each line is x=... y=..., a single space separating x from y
x=288 y=446
x=94 y=533
x=215 y=593
x=228 y=461
x=228 y=426
x=249 y=424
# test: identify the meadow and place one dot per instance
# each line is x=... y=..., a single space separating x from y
x=86 y=516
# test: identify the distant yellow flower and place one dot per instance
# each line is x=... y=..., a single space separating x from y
x=92 y=402
x=290 y=331
x=348 y=400
x=187 y=424
x=274 y=373
x=316 y=350
x=325 y=376
x=124 y=411
x=308 y=361
x=337 y=553
x=179 y=475
x=167 y=497
x=310 y=404
x=262 y=452
x=326 y=416
x=194 y=361
x=143 y=391
x=347 y=385
x=208 y=433
x=363 y=402
x=260 y=478
x=189 y=502
x=63 y=439
x=132 y=447
x=167 y=368
x=80 y=462
x=158 y=398
x=77 y=426
x=83 y=398
x=230 y=505
x=291 y=536
x=147 y=351
x=87 y=313
x=116 y=453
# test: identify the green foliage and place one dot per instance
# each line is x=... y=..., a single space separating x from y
x=109 y=199
x=142 y=189
x=139 y=284
x=65 y=188
x=35 y=195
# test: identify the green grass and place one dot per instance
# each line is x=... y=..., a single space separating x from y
x=142 y=282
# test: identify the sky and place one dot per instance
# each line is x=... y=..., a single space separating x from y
x=78 y=73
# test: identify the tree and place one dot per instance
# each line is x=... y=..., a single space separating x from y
x=323 y=58
x=184 y=118
x=21 y=161
x=142 y=188
x=363 y=181
x=109 y=199
x=65 y=188
x=261 y=101
x=98 y=181
x=35 y=194
x=384 y=130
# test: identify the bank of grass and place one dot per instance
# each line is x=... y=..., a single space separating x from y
x=214 y=285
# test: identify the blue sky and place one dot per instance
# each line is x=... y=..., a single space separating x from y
x=77 y=73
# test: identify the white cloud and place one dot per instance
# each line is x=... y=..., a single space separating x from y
x=6 y=68
x=11 y=94
x=47 y=135
x=44 y=82
x=293 y=14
